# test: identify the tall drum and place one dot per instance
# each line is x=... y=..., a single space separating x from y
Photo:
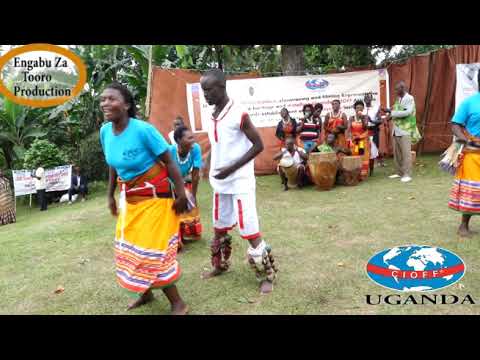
x=290 y=170
x=292 y=176
x=350 y=169
x=323 y=169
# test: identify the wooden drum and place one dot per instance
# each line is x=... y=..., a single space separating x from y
x=292 y=175
x=323 y=169
x=290 y=170
x=350 y=168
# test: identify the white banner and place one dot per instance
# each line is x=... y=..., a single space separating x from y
x=57 y=179
x=263 y=98
x=23 y=182
x=467 y=82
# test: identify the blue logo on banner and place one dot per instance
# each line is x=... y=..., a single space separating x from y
x=316 y=84
x=415 y=268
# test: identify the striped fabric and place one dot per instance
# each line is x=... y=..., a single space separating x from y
x=146 y=257
x=7 y=207
x=465 y=192
x=190 y=225
x=310 y=131
x=147 y=235
x=465 y=196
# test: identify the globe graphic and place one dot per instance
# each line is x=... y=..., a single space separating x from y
x=415 y=258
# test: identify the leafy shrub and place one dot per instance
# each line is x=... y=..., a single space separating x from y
x=71 y=153
x=45 y=154
x=91 y=158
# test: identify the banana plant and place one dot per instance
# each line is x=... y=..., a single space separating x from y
x=17 y=129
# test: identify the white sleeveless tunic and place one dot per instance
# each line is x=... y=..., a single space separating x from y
x=228 y=144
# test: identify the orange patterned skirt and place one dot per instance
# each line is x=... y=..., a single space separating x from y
x=147 y=235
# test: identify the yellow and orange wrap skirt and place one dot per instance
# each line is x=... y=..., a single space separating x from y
x=147 y=233
x=356 y=148
x=190 y=225
x=361 y=147
x=465 y=193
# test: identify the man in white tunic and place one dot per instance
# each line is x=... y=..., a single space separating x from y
x=235 y=142
x=40 y=186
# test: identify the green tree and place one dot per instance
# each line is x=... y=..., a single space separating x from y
x=276 y=59
x=323 y=58
x=45 y=154
x=293 y=59
x=407 y=51
x=19 y=126
x=91 y=158
x=230 y=58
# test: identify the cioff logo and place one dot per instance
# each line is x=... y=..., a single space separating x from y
x=317 y=84
x=416 y=268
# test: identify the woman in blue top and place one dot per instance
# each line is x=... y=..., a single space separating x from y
x=188 y=156
x=147 y=232
x=465 y=192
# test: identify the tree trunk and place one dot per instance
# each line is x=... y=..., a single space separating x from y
x=8 y=156
x=114 y=60
x=293 y=60
x=149 y=82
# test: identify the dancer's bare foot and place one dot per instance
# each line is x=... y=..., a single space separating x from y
x=266 y=287
x=463 y=231
x=212 y=273
x=179 y=308
x=181 y=250
x=142 y=300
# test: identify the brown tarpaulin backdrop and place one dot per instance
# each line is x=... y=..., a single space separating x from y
x=430 y=78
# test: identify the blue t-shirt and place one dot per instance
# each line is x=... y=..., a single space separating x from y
x=468 y=114
x=133 y=151
x=192 y=160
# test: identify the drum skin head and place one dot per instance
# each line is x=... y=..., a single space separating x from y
x=286 y=162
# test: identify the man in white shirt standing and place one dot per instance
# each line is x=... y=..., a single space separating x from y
x=235 y=142
x=40 y=186
x=404 y=132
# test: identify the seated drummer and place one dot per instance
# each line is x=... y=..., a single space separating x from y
x=329 y=146
x=299 y=157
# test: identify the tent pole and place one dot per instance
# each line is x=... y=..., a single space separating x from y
x=149 y=82
x=421 y=145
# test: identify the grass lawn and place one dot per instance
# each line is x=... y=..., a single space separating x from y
x=322 y=241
